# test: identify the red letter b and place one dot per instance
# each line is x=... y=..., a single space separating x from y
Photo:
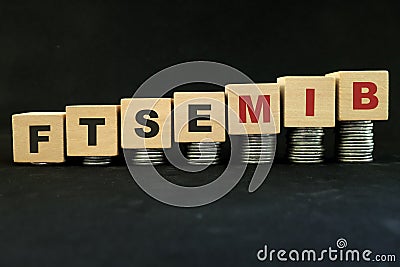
x=358 y=95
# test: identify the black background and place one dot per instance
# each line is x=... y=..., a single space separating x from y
x=55 y=53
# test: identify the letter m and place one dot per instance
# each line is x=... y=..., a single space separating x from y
x=245 y=103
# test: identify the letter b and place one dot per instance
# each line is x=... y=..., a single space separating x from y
x=358 y=95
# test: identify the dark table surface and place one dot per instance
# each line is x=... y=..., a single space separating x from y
x=85 y=216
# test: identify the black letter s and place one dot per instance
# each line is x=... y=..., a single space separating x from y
x=154 y=127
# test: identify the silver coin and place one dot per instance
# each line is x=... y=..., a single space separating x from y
x=356 y=127
x=304 y=143
x=147 y=163
x=40 y=163
x=361 y=134
x=355 y=155
x=306 y=161
x=306 y=135
x=363 y=151
x=306 y=130
x=356 y=160
x=357 y=142
x=306 y=154
x=305 y=139
x=369 y=145
x=357 y=150
x=350 y=142
x=356 y=122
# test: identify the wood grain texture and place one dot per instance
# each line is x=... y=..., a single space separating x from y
x=216 y=101
x=129 y=110
x=237 y=126
x=293 y=93
x=51 y=151
x=107 y=135
x=344 y=93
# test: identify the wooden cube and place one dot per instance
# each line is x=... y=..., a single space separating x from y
x=38 y=137
x=362 y=95
x=253 y=108
x=199 y=117
x=308 y=101
x=92 y=130
x=146 y=123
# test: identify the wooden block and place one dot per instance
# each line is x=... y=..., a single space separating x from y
x=362 y=95
x=146 y=123
x=199 y=116
x=38 y=137
x=253 y=108
x=92 y=130
x=308 y=101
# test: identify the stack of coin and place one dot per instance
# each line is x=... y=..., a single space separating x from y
x=96 y=161
x=204 y=153
x=148 y=156
x=258 y=148
x=305 y=145
x=355 y=141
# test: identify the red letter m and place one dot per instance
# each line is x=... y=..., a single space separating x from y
x=262 y=102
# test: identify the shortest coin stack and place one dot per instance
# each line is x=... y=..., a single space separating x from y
x=355 y=141
x=305 y=145
x=149 y=156
x=204 y=153
x=258 y=149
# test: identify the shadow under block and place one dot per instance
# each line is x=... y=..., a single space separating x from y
x=308 y=101
x=38 y=137
x=362 y=95
x=92 y=130
x=146 y=123
x=253 y=108
x=199 y=117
